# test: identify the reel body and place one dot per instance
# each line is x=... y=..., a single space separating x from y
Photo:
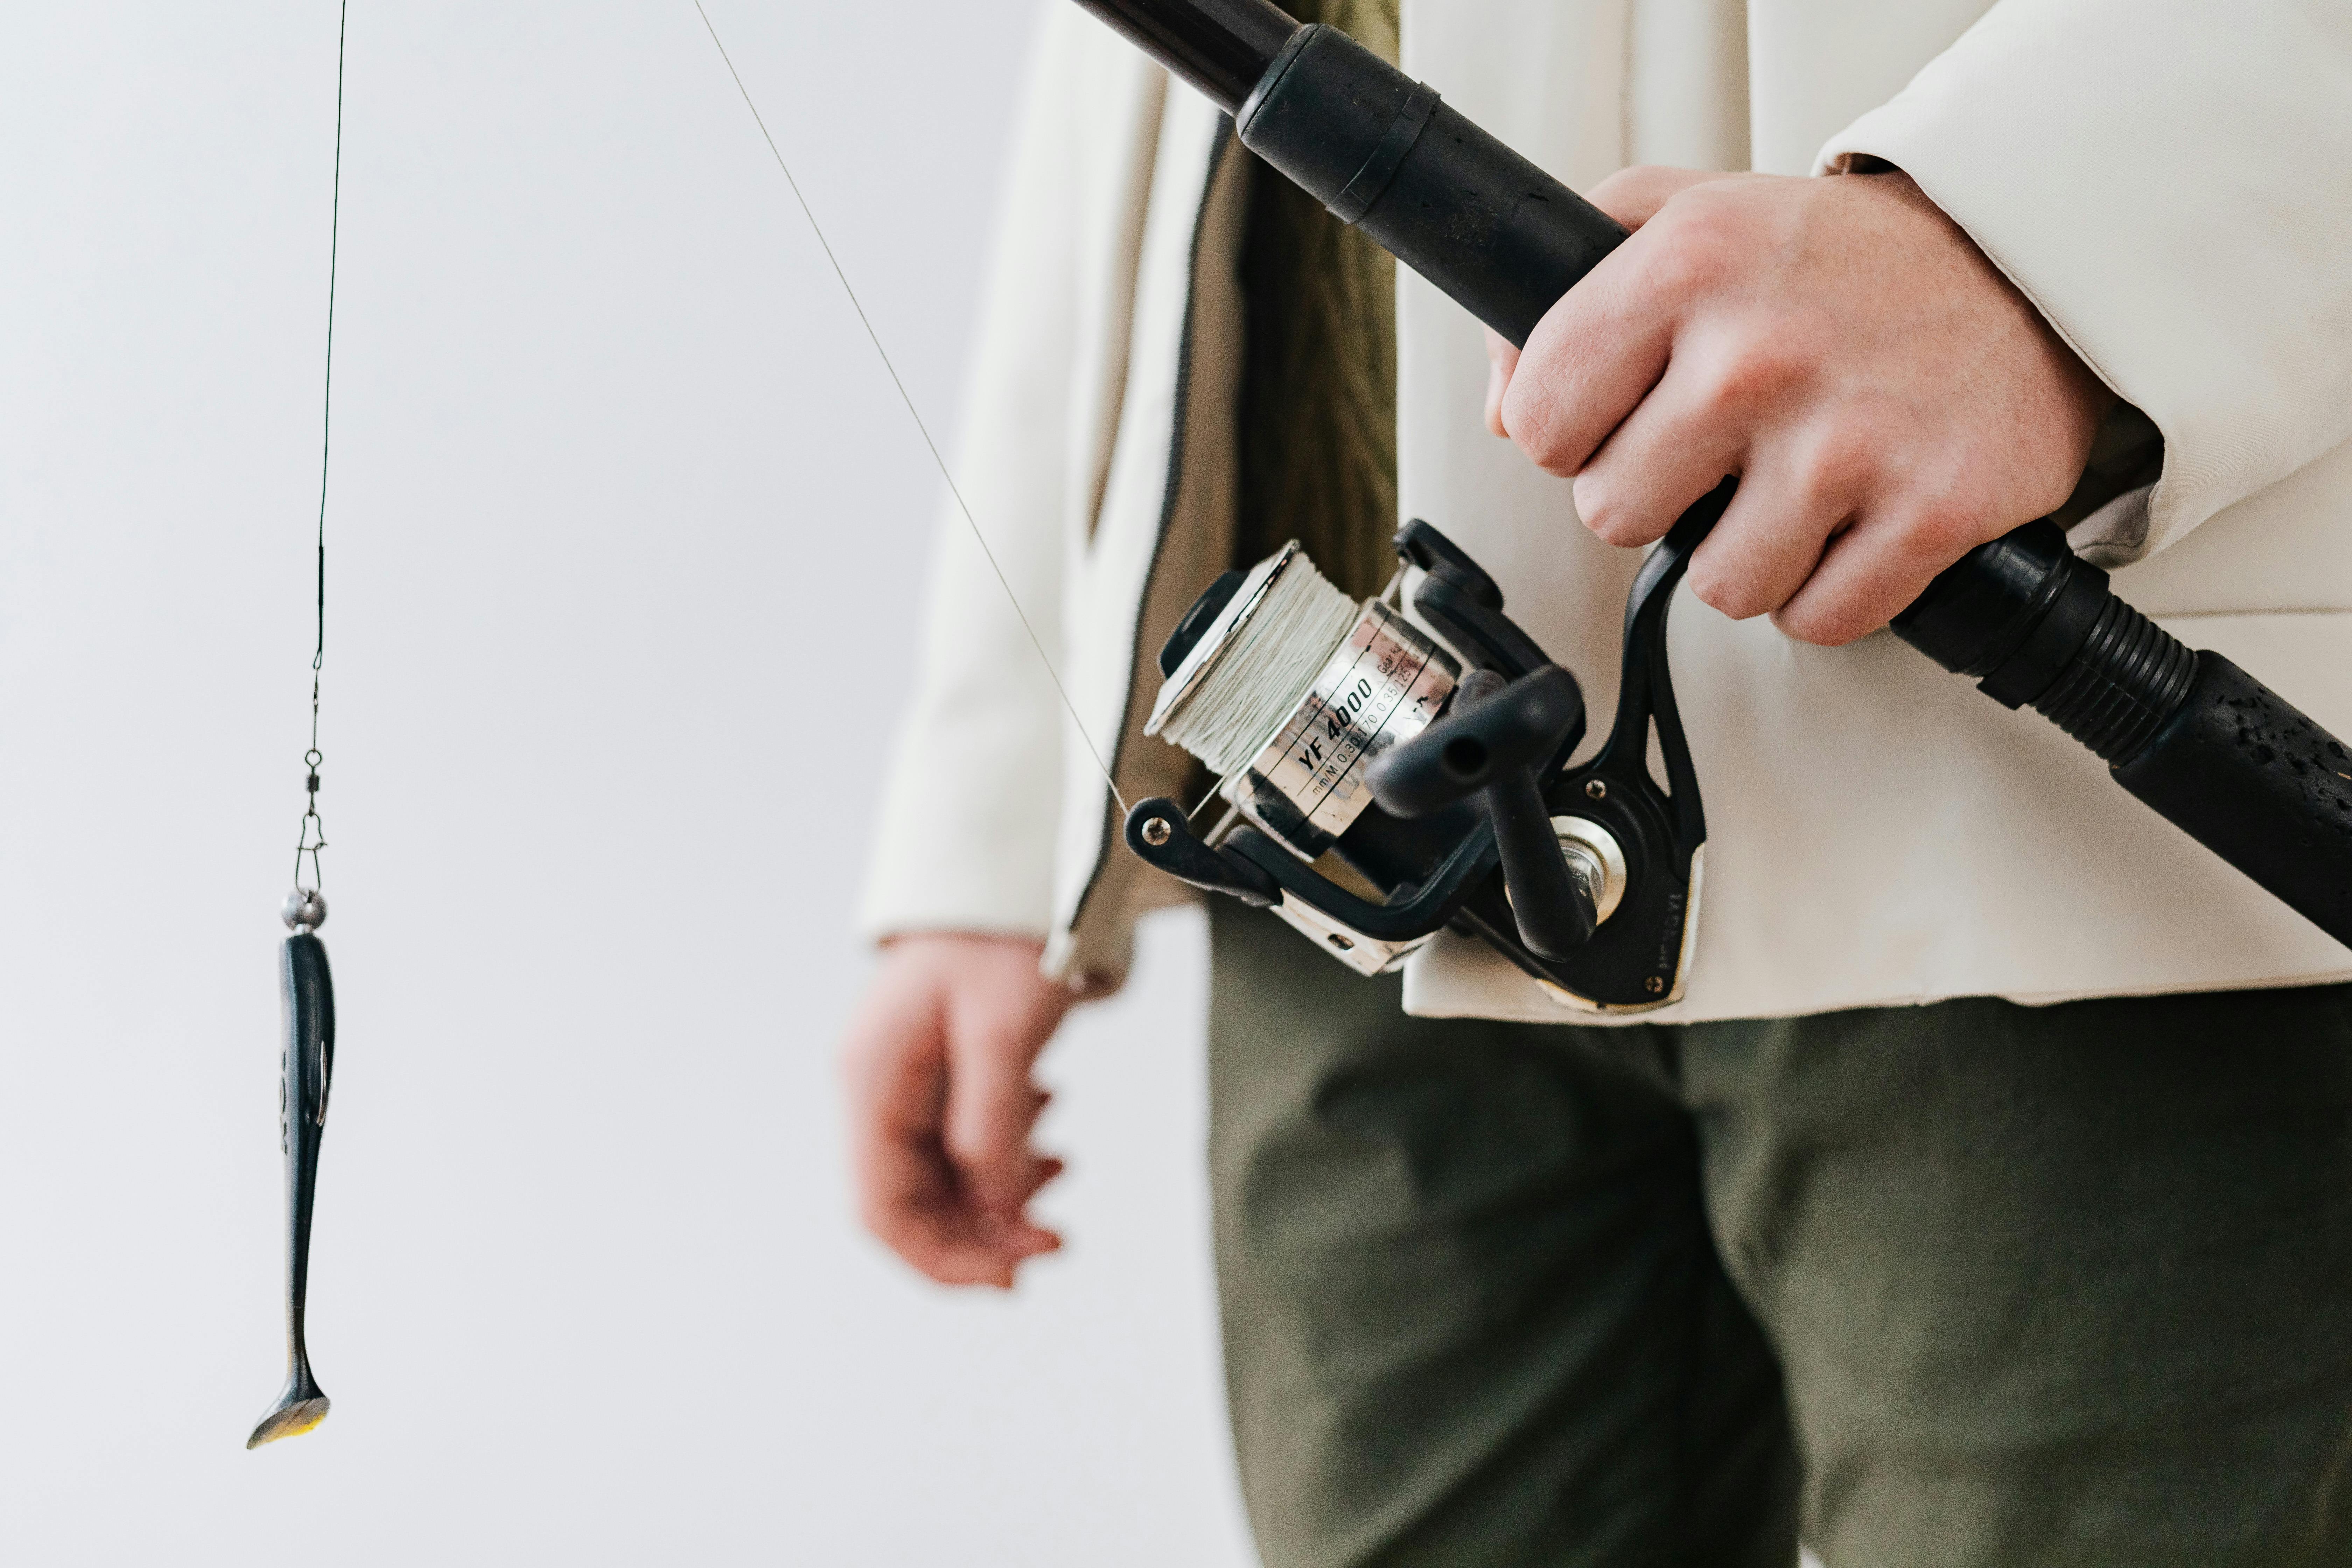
x=1418 y=782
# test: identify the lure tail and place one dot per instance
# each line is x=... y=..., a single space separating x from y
x=309 y=1064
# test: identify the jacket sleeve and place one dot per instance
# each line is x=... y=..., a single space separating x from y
x=2170 y=183
x=965 y=832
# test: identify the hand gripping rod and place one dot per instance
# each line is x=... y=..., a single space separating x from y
x=2215 y=752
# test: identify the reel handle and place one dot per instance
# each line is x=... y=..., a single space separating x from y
x=1493 y=743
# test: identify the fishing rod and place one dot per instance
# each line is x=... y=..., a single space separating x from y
x=2208 y=746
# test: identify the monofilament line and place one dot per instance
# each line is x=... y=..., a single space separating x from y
x=913 y=413
x=1242 y=701
x=312 y=837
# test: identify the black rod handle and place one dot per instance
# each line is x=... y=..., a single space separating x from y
x=1447 y=199
x=2244 y=773
x=2219 y=755
x=1503 y=239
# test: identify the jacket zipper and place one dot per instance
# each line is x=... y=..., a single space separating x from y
x=1168 y=504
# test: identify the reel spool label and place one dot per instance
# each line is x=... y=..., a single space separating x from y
x=1384 y=683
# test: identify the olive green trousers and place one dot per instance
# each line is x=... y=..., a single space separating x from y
x=1966 y=1286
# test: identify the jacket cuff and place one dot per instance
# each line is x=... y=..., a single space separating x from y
x=963 y=836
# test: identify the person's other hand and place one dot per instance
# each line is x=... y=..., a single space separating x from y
x=1887 y=398
x=941 y=1103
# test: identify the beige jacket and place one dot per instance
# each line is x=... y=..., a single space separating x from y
x=2170 y=184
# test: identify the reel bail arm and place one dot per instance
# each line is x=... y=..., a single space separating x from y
x=1158 y=835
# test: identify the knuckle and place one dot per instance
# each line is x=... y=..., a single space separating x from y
x=1614 y=529
x=1524 y=403
x=1945 y=529
x=1689 y=260
x=1836 y=466
x=1704 y=237
x=976 y=1147
x=1707 y=586
x=1626 y=178
x=1626 y=186
x=1544 y=438
x=1514 y=410
x=1723 y=590
x=1606 y=512
x=1748 y=374
x=1821 y=627
x=1806 y=626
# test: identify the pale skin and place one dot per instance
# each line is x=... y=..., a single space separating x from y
x=941 y=1103
x=1887 y=400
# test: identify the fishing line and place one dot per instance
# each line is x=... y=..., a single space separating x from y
x=912 y=411
x=312 y=837
x=1228 y=718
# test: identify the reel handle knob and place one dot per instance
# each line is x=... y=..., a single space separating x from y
x=1494 y=727
x=1494 y=743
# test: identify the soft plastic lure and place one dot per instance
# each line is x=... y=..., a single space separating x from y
x=307 y=1065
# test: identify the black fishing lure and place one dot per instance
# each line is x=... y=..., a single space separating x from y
x=307 y=1067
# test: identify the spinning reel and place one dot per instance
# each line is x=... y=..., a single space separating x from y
x=1416 y=782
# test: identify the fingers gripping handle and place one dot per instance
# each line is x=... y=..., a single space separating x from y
x=1494 y=743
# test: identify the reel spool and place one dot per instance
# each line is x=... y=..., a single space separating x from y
x=1386 y=775
x=1290 y=690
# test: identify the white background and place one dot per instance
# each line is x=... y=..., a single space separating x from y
x=625 y=531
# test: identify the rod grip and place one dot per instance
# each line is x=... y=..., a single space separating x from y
x=1505 y=239
x=2215 y=752
x=2242 y=771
